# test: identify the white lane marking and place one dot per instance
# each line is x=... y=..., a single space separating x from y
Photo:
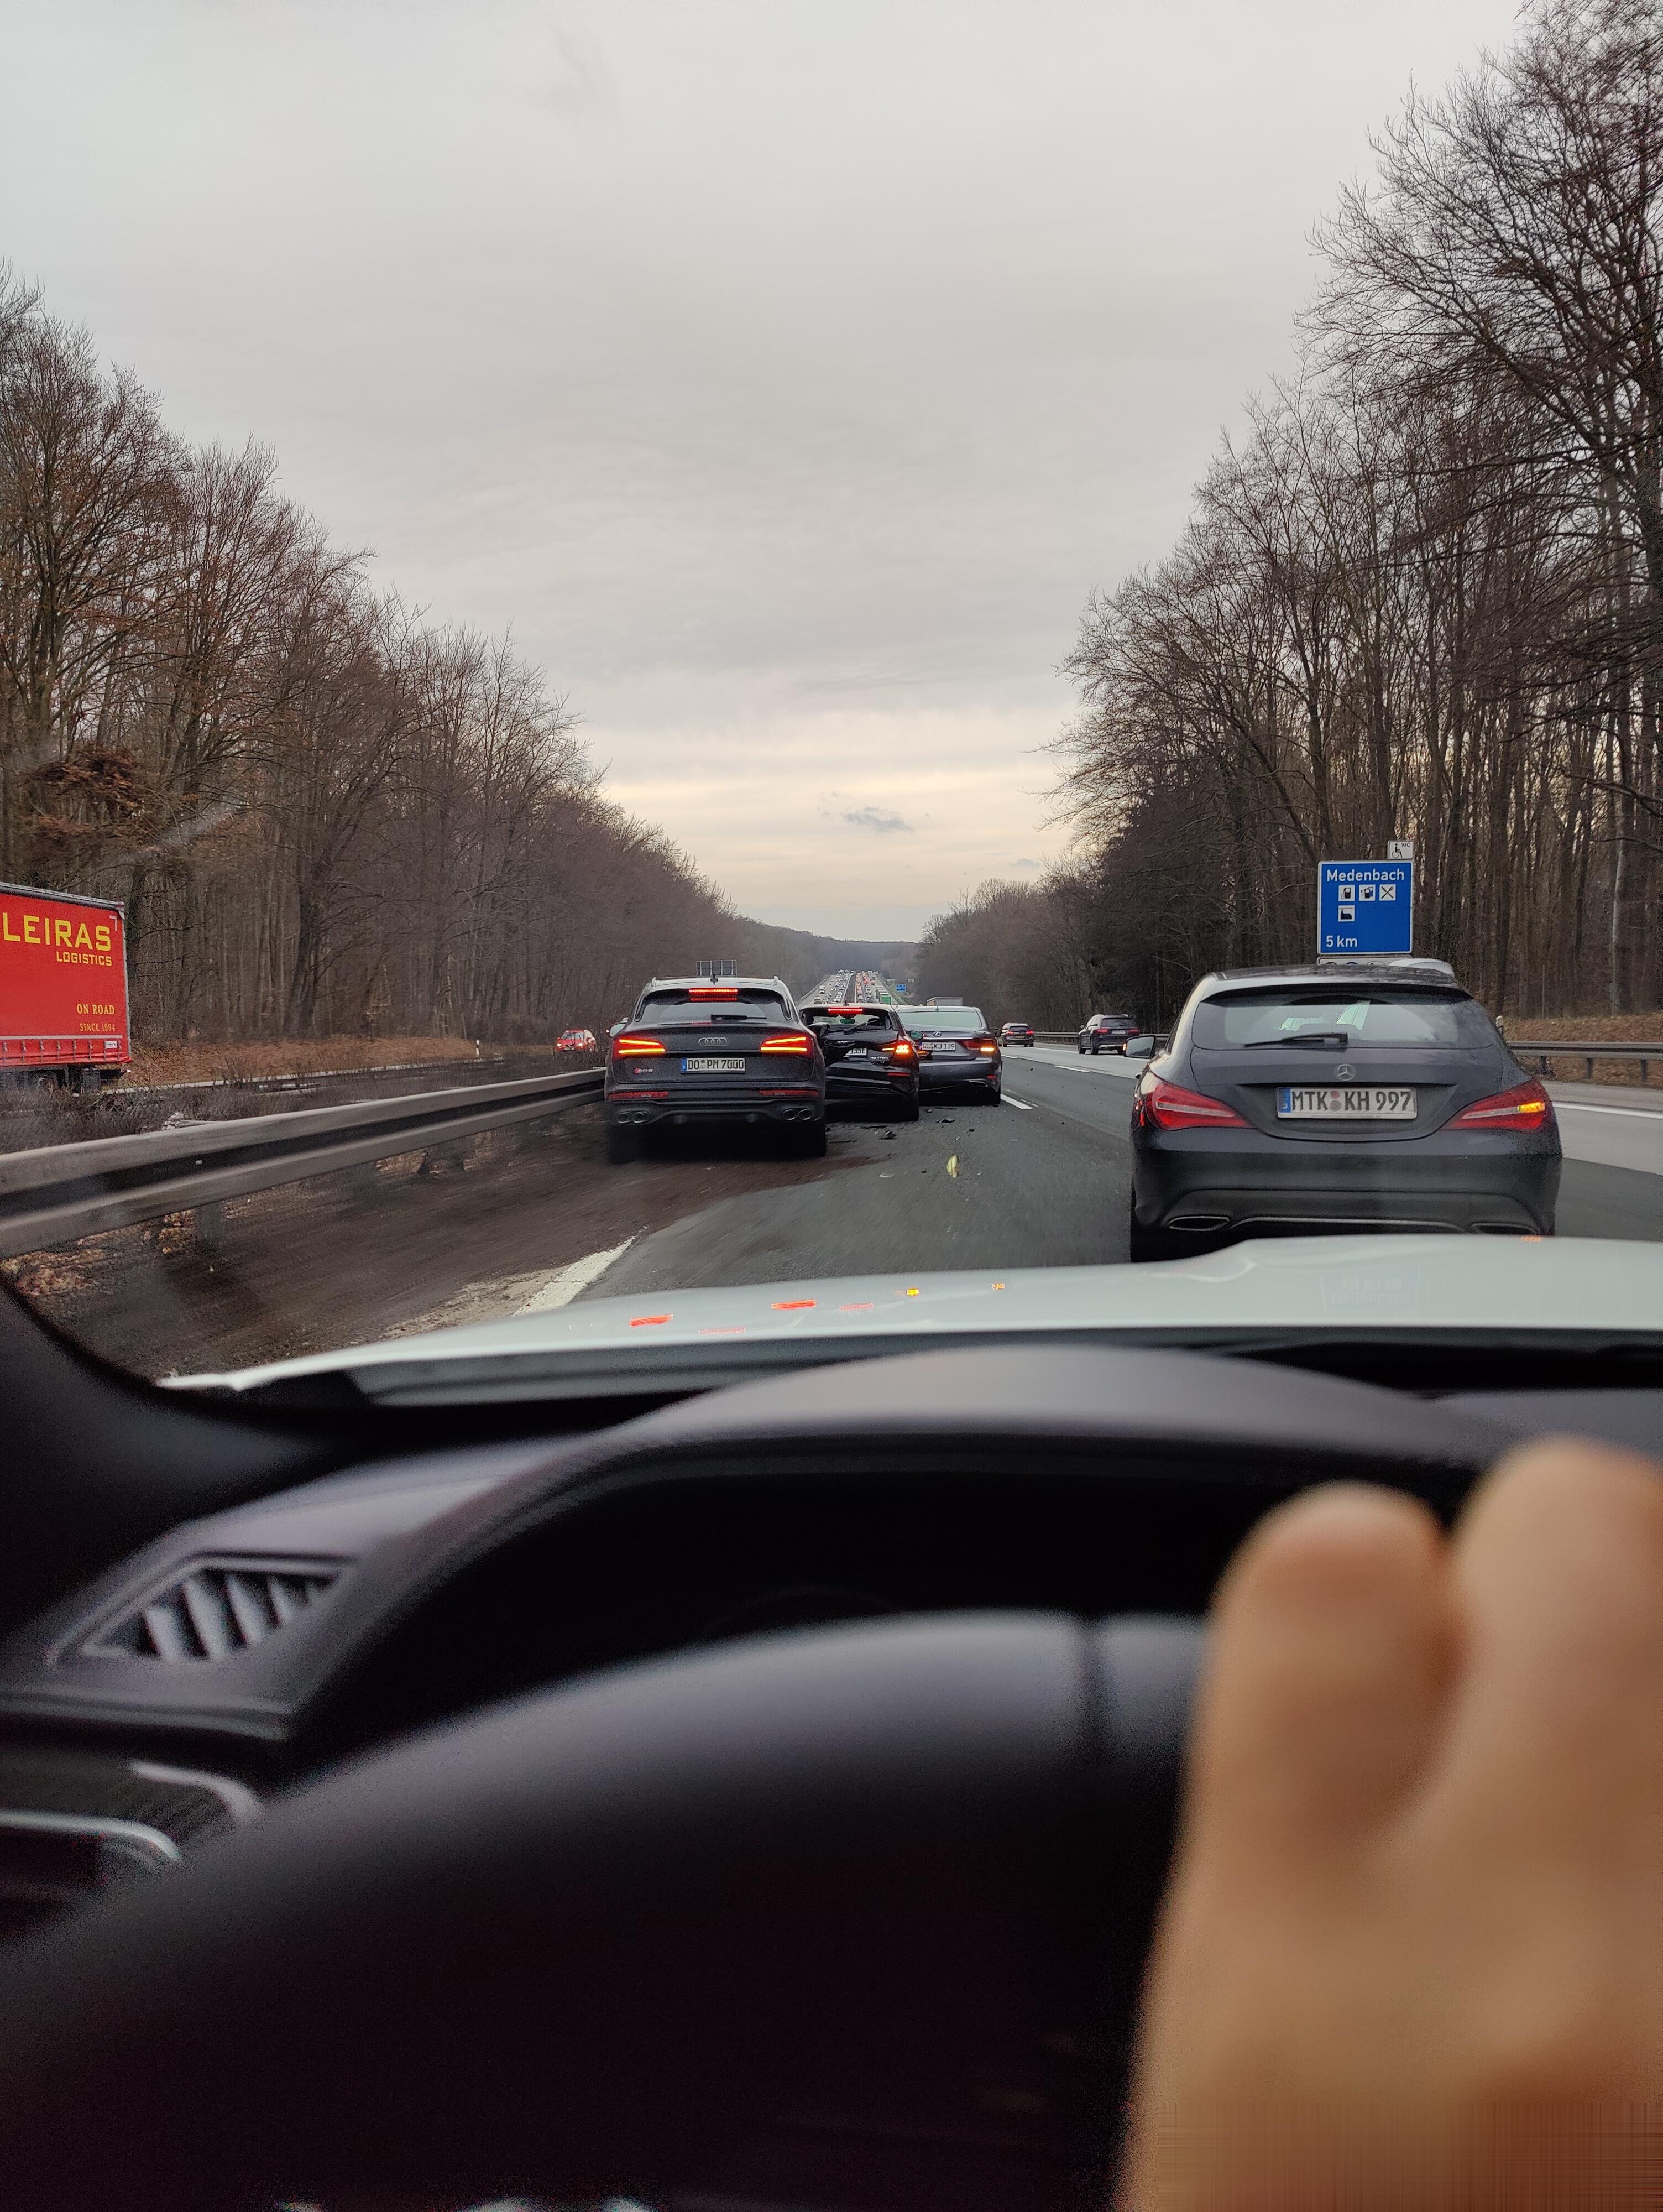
x=1629 y=1113
x=1017 y=1103
x=563 y=1285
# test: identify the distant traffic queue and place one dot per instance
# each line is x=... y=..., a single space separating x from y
x=736 y=1050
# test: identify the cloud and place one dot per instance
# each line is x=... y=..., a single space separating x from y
x=752 y=470
x=1030 y=866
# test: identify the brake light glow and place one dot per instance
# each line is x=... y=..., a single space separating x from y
x=716 y=991
x=902 y=1050
x=846 y=1009
x=1526 y=1106
x=635 y=1046
x=987 y=1047
x=791 y=1305
x=1169 y=1106
x=788 y=1043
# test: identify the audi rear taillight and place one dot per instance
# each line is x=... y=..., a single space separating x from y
x=1526 y=1106
x=1169 y=1106
x=633 y=1048
x=787 y=1042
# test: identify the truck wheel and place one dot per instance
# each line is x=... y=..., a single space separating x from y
x=908 y=1111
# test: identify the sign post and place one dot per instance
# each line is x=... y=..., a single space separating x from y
x=1364 y=907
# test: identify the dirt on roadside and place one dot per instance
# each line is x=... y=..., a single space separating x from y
x=197 y=1061
x=465 y=1233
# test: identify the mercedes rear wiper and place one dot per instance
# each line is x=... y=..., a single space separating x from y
x=1340 y=1037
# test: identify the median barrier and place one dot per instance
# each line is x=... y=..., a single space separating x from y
x=1543 y=1049
x=58 y=1192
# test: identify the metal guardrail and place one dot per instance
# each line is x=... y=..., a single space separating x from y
x=306 y=1081
x=1543 y=1049
x=61 y=1191
x=1163 y=1038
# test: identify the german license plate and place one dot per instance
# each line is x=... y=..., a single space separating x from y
x=1360 y=1102
x=712 y=1067
x=937 y=1051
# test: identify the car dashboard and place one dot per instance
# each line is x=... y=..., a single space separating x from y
x=246 y=1651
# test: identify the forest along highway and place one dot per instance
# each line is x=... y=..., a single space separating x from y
x=537 y=1219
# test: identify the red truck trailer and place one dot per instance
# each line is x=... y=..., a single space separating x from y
x=63 y=986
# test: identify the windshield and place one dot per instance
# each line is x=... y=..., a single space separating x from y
x=677 y=675
x=847 y=1022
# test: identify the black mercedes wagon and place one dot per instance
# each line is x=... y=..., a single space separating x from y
x=1343 y=1095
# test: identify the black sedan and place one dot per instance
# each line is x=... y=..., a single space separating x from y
x=956 y=1051
x=1346 y=1097
x=697 y=1052
x=1017 y=1033
x=1105 y=1033
x=870 y=1059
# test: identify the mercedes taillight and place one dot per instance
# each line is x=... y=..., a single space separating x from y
x=1169 y=1106
x=1526 y=1106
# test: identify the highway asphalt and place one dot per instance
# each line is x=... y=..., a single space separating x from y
x=533 y=1219
x=1043 y=1179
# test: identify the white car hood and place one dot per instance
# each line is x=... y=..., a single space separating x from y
x=1418 y=1284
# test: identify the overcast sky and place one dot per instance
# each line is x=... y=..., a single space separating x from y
x=784 y=373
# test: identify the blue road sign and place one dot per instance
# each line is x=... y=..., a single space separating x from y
x=1365 y=906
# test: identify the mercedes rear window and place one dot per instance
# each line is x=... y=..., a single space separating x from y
x=1379 y=1015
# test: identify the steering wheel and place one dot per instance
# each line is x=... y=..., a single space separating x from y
x=847 y=1918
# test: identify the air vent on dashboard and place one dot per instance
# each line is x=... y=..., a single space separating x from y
x=218 y=1606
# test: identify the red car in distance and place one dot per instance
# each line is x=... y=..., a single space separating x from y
x=576 y=1041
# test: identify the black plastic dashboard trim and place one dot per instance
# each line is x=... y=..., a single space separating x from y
x=414 y=1527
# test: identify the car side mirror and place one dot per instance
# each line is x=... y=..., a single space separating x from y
x=1139 y=1047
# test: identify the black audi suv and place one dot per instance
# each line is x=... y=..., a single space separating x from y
x=870 y=1059
x=1343 y=1095
x=699 y=1053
